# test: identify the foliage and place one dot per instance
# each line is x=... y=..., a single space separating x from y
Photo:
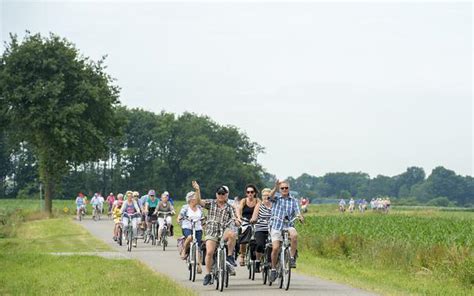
x=58 y=102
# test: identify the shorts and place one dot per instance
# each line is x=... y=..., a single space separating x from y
x=215 y=238
x=276 y=234
x=260 y=240
x=187 y=232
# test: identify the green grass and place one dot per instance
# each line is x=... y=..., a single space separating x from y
x=27 y=268
x=421 y=252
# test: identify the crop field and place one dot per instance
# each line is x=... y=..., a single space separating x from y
x=432 y=243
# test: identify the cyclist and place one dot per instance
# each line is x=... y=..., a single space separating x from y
x=304 y=204
x=219 y=213
x=342 y=205
x=95 y=202
x=80 y=204
x=192 y=211
x=118 y=202
x=150 y=206
x=264 y=210
x=351 y=205
x=163 y=206
x=247 y=211
x=110 y=200
x=130 y=207
x=101 y=203
x=284 y=205
x=117 y=214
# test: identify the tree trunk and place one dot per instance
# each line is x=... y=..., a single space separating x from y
x=48 y=193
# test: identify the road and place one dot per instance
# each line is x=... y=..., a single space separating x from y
x=170 y=264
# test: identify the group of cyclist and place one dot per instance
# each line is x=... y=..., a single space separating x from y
x=266 y=213
x=230 y=219
x=376 y=204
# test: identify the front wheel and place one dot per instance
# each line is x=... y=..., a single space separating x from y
x=286 y=270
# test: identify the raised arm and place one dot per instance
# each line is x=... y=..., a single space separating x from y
x=275 y=189
x=197 y=190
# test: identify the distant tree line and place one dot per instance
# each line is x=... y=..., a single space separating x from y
x=443 y=187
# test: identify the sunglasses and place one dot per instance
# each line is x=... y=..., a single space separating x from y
x=251 y=191
x=220 y=193
x=283 y=188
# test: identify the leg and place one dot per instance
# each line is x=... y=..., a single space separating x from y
x=230 y=237
x=210 y=249
x=294 y=241
x=275 y=251
x=161 y=222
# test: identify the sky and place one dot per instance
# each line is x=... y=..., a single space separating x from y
x=323 y=86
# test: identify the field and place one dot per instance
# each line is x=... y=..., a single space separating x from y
x=416 y=251
x=27 y=266
x=422 y=251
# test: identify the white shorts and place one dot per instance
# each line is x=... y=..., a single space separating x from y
x=276 y=234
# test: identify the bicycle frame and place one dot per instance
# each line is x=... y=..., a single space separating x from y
x=219 y=267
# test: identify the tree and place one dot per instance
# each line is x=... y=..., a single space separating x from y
x=59 y=102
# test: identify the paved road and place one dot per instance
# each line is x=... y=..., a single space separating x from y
x=169 y=263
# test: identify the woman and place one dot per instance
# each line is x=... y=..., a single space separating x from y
x=164 y=206
x=151 y=203
x=191 y=211
x=247 y=212
x=129 y=209
x=264 y=210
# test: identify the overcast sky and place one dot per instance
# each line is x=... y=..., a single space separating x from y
x=324 y=87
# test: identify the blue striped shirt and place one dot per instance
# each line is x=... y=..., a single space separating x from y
x=283 y=206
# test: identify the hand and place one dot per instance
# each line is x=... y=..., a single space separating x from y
x=252 y=221
x=237 y=222
x=301 y=218
x=277 y=184
x=196 y=185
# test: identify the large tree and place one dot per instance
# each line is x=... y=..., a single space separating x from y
x=60 y=102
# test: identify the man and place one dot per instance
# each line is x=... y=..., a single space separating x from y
x=284 y=205
x=219 y=213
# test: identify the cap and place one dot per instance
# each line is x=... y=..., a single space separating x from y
x=151 y=192
x=222 y=190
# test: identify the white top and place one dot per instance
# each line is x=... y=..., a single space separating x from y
x=192 y=215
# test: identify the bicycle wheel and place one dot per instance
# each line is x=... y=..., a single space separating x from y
x=130 y=239
x=119 y=239
x=226 y=279
x=163 y=238
x=195 y=259
x=222 y=271
x=286 y=270
x=248 y=263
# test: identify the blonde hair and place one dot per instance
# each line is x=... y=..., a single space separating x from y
x=135 y=193
x=264 y=190
x=129 y=192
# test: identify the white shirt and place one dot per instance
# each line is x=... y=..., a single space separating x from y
x=192 y=215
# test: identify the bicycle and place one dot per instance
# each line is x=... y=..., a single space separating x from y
x=96 y=213
x=266 y=260
x=129 y=230
x=250 y=257
x=120 y=233
x=82 y=212
x=194 y=251
x=283 y=264
x=152 y=234
x=220 y=271
x=164 y=231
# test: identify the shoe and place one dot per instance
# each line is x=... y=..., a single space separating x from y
x=199 y=269
x=231 y=260
x=207 y=279
x=292 y=262
x=135 y=245
x=257 y=266
x=115 y=238
x=273 y=275
x=231 y=269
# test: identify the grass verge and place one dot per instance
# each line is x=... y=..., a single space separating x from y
x=26 y=268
